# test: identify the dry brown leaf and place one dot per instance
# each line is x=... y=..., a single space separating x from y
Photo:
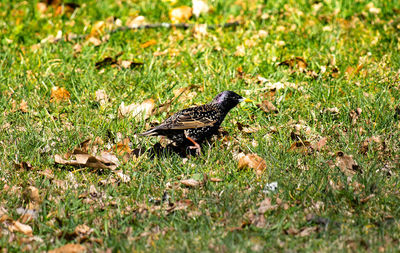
x=190 y=182
x=83 y=229
x=333 y=110
x=300 y=146
x=48 y=173
x=369 y=141
x=320 y=144
x=184 y=94
x=69 y=248
x=252 y=161
x=267 y=106
x=23 y=166
x=101 y=97
x=214 y=179
x=95 y=41
x=17 y=226
x=59 y=94
x=143 y=110
x=32 y=194
x=305 y=231
x=354 y=114
x=180 y=14
x=77 y=48
x=23 y=106
x=346 y=163
x=265 y=206
x=297 y=62
x=104 y=161
x=148 y=43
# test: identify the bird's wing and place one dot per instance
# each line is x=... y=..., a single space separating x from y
x=195 y=117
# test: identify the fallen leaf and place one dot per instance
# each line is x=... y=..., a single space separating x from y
x=32 y=194
x=184 y=94
x=23 y=106
x=190 y=182
x=27 y=215
x=77 y=48
x=106 y=161
x=148 y=43
x=59 y=94
x=240 y=51
x=350 y=71
x=369 y=141
x=214 y=179
x=48 y=173
x=143 y=110
x=129 y=64
x=354 y=114
x=320 y=144
x=346 y=163
x=136 y=22
x=23 y=166
x=300 y=146
x=267 y=106
x=372 y=9
x=199 y=7
x=69 y=248
x=265 y=206
x=306 y=231
x=180 y=14
x=297 y=62
x=95 y=41
x=101 y=97
x=124 y=178
x=200 y=31
x=333 y=110
x=252 y=161
x=82 y=229
x=17 y=226
x=41 y=7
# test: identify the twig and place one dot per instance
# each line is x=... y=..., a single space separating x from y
x=148 y=26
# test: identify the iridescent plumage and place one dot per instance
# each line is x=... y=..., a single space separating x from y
x=196 y=124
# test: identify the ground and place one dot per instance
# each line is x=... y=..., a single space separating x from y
x=323 y=126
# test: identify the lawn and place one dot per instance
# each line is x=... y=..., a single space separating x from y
x=323 y=126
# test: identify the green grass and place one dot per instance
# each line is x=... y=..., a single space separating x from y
x=340 y=34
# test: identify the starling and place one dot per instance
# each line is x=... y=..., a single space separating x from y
x=193 y=125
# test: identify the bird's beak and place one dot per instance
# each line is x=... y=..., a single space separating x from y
x=246 y=100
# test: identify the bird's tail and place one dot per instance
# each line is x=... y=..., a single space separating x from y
x=149 y=132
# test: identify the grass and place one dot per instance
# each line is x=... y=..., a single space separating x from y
x=331 y=36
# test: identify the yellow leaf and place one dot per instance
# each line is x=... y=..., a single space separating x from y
x=59 y=94
x=148 y=43
x=180 y=14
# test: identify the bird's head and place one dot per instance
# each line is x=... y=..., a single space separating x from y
x=228 y=99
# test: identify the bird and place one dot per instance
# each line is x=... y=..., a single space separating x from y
x=193 y=125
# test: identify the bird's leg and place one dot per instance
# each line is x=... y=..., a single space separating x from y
x=196 y=145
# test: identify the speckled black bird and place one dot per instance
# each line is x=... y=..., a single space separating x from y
x=193 y=125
